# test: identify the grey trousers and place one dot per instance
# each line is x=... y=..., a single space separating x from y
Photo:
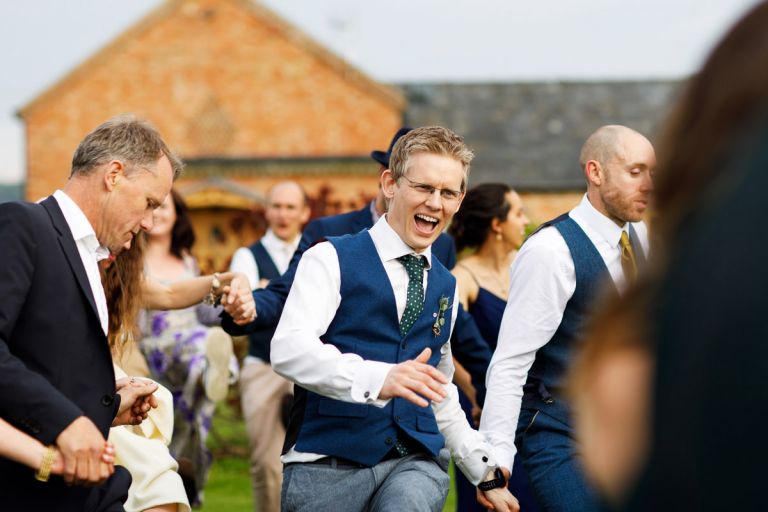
x=412 y=483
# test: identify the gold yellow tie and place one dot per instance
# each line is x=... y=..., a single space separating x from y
x=628 y=263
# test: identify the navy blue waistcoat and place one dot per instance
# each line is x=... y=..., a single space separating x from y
x=367 y=324
x=543 y=389
x=259 y=340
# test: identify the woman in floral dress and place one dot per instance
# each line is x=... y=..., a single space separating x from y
x=192 y=360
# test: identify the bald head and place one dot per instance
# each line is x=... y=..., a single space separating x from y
x=606 y=142
x=618 y=164
x=288 y=189
x=288 y=210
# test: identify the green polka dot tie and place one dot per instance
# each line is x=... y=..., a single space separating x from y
x=414 y=303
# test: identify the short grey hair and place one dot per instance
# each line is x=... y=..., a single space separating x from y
x=124 y=137
x=430 y=139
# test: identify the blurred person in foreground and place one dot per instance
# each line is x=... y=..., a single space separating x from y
x=368 y=347
x=673 y=380
x=554 y=281
x=57 y=383
x=492 y=222
x=264 y=395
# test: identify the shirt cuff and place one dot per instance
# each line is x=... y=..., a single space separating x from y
x=505 y=451
x=367 y=381
x=476 y=464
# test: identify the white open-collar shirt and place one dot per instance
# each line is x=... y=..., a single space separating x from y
x=89 y=248
x=280 y=251
x=542 y=281
x=298 y=354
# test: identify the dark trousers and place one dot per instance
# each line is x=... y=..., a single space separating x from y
x=549 y=456
x=112 y=494
x=20 y=492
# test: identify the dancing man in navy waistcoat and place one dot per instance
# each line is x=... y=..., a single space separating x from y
x=365 y=336
x=554 y=279
x=467 y=343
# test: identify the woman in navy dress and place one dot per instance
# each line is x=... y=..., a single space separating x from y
x=492 y=222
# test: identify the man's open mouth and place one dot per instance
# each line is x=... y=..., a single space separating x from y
x=425 y=223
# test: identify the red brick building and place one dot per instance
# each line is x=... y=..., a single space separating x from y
x=245 y=98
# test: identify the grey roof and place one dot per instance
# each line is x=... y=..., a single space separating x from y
x=11 y=192
x=529 y=134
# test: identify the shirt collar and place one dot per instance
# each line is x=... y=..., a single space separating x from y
x=79 y=225
x=602 y=225
x=271 y=239
x=389 y=244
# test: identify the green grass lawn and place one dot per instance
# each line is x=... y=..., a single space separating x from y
x=229 y=484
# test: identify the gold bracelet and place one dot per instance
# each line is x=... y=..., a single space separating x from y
x=214 y=296
x=44 y=472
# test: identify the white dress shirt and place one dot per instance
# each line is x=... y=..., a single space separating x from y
x=542 y=280
x=279 y=250
x=91 y=252
x=298 y=354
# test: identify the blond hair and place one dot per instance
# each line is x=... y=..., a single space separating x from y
x=430 y=139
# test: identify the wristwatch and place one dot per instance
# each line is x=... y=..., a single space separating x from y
x=497 y=482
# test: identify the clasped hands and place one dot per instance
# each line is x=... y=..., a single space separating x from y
x=237 y=300
x=136 y=400
x=84 y=456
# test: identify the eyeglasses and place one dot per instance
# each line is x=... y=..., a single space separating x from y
x=446 y=194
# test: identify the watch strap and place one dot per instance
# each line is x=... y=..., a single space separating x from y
x=495 y=483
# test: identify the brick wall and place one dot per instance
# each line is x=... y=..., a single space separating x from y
x=218 y=78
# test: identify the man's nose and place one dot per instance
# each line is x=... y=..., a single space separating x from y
x=647 y=184
x=435 y=200
x=147 y=221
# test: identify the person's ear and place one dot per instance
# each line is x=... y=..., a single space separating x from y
x=115 y=171
x=593 y=172
x=388 y=184
x=461 y=200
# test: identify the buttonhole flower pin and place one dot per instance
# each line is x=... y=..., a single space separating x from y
x=440 y=315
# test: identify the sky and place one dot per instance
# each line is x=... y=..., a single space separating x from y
x=393 y=41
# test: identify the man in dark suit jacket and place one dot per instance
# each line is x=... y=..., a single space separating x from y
x=466 y=342
x=57 y=382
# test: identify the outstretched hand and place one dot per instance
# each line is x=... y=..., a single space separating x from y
x=416 y=381
x=136 y=400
